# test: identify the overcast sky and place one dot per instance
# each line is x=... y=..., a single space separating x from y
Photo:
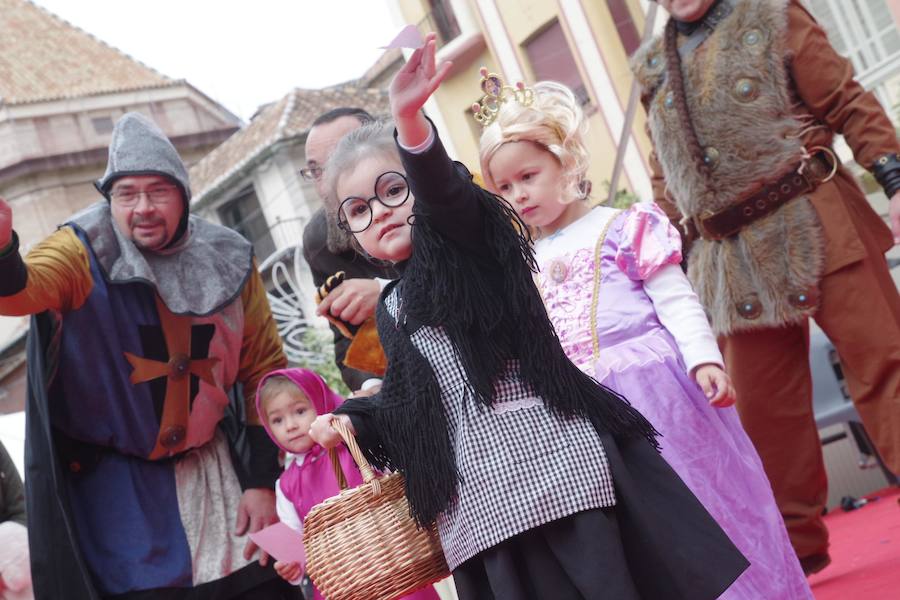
x=241 y=53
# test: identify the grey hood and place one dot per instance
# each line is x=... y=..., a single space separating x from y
x=202 y=269
x=138 y=147
x=202 y=273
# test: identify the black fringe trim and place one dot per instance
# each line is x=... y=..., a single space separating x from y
x=492 y=311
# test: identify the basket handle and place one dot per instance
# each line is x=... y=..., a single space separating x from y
x=338 y=470
x=368 y=474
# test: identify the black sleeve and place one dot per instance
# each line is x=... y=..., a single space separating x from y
x=13 y=492
x=323 y=264
x=13 y=273
x=360 y=411
x=264 y=469
x=313 y=245
x=446 y=195
x=253 y=454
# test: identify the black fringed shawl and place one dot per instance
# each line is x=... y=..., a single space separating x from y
x=471 y=274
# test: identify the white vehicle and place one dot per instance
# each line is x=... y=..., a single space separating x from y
x=832 y=403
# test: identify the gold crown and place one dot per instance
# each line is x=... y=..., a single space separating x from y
x=495 y=94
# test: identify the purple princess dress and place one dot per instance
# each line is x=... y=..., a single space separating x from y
x=609 y=281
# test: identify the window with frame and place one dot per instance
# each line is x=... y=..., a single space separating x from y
x=866 y=32
x=551 y=59
x=628 y=33
x=442 y=20
x=244 y=214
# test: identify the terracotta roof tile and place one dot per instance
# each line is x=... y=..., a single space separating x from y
x=43 y=57
x=289 y=118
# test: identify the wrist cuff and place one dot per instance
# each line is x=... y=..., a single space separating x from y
x=13 y=273
x=887 y=173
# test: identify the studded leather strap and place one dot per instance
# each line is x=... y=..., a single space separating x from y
x=887 y=173
x=765 y=201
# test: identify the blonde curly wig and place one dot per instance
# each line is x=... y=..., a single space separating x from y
x=555 y=121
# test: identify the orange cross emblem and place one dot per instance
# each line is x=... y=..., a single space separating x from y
x=177 y=371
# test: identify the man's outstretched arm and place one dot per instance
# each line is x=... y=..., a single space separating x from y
x=56 y=275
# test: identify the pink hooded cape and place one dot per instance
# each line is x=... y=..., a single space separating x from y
x=312 y=482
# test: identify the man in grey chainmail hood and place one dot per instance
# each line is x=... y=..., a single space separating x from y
x=149 y=323
x=139 y=148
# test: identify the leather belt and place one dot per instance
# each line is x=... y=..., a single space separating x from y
x=801 y=179
x=81 y=457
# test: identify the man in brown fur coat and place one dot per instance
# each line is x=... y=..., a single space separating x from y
x=744 y=98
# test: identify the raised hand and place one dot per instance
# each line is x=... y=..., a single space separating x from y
x=411 y=88
x=5 y=224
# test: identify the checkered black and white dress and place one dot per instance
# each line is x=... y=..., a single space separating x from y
x=520 y=465
x=533 y=511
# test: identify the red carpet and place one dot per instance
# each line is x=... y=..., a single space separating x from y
x=865 y=552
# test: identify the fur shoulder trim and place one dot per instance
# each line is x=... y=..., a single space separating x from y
x=648 y=63
x=764 y=15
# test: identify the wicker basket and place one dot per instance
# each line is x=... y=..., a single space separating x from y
x=363 y=545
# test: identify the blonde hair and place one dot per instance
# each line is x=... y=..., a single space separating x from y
x=275 y=385
x=556 y=122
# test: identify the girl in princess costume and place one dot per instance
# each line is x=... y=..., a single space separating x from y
x=542 y=483
x=288 y=400
x=626 y=314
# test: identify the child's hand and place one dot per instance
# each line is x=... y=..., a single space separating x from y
x=716 y=384
x=289 y=571
x=367 y=392
x=417 y=80
x=324 y=434
x=411 y=88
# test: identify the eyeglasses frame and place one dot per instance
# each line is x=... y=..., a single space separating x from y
x=342 y=219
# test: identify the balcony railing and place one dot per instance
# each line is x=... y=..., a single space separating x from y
x=283 y=271
x=287 y=233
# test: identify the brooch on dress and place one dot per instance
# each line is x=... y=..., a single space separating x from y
x=558 y=270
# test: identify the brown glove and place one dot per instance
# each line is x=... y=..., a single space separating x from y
x=365 y=352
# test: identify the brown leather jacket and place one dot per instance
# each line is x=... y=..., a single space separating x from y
x=823 y=84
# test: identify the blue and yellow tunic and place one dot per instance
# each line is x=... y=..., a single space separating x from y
x=135 y=397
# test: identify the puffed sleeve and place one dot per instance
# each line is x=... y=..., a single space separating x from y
x=647 y=242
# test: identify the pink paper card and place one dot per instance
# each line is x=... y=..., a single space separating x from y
x=282 y=542
x=409 y=37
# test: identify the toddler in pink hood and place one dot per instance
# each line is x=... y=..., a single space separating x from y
x=288 y=401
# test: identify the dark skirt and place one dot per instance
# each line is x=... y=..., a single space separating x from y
x=569 y=559
x=252 y=582
x=657 y=543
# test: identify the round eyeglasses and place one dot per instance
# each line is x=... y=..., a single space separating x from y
x=355 y=214
x=158 y=194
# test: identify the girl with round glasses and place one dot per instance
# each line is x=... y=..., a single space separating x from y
x=355 y=213
x=542 y=483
